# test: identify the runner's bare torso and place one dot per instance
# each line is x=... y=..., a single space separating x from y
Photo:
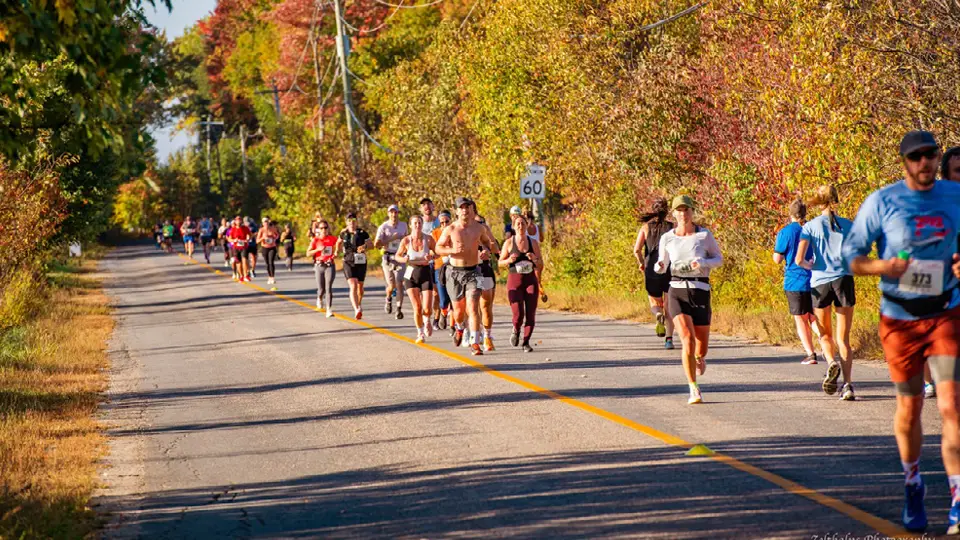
x=461 y=241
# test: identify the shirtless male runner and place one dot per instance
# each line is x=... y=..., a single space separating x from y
x=461 y=241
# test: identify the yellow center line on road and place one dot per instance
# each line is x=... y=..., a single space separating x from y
x=878 y=524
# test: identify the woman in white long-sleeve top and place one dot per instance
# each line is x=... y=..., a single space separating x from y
x=690 y=252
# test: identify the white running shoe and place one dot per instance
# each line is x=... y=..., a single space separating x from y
x=329 y=313
x=319 y=304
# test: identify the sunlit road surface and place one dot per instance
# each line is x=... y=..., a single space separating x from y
x=236 y=412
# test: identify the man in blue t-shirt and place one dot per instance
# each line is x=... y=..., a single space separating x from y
x=796 y=279
x=913 y=224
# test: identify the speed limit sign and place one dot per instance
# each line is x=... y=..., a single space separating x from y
x=532 y=184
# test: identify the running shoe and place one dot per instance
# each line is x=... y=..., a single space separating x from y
x=668 y=344
x=358 y=314
x=809 y=360
x=319 y=304
x=488 y=344
x=253 y=273
x=661 y=328
x=476 y=349
x=435 y=325
x=420 y=338
x=329 y=313
x=399 y=314
x=236 y=278
x=929 y=390
x=457 y=337
x=701 y=365
x=953 y=520
x=515 y=338
x=847 y=394
x=914 y=514
x=466 y=343
x=226 y=264
x=695 y=396
x=830 y=380
x=429 y=329
x=442 y=321
x=527 y=347
x=388 y=307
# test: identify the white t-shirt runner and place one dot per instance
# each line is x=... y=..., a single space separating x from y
x=677 y=253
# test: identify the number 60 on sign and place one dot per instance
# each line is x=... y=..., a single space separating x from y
x=532 y=184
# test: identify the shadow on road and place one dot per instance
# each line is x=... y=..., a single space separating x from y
x=640 y=493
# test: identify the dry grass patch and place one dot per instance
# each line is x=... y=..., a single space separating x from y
x=51 y=376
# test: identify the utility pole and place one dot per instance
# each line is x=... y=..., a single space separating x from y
x=276 y=106
x=316 y=75
x=209 y=173
x=243 y=152
x=343 y=52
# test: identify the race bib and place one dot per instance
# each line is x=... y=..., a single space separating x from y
x=327 y=251
x=524 y=267
x=359 y=258
x=408 y=274
x=239 y=243
x=923 y=277
x=269 y=241
x=393 y=246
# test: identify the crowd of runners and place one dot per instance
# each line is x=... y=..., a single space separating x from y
x=906 y=233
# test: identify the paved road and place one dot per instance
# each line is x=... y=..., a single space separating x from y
x=236 y=413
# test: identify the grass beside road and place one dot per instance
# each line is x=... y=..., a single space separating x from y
x=51 y=376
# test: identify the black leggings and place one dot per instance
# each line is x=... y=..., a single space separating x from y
x=288 y=251
x=270 y=255
x=523 y=291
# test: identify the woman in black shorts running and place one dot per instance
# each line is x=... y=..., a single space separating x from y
x=647 y=251
x=690 y=252
x=417 y=252
x=354 y=242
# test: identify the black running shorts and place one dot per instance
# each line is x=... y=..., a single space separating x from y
x=801 y=303
x=355 y=271
x=421 y=277
x=840 y=292
x=694 y=303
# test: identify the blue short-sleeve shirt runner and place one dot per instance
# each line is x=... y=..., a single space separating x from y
x=795 y=278
x=922 y=223
x=828 y=263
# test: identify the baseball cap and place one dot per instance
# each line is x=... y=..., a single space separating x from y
x=462 y=201
x=683 y=200
x=515 y=211
x=917 y=140
x=393 y=208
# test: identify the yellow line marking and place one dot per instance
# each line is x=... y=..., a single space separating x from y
x=880 y=525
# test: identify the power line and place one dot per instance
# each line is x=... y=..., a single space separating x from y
x=417 y=6
x=303 y=53
x=370 y=137
x=672 y=18
x=372 y=30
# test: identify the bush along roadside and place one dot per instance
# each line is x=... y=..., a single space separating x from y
x=56 y=322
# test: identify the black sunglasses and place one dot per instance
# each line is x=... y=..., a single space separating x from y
x=918 y=155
